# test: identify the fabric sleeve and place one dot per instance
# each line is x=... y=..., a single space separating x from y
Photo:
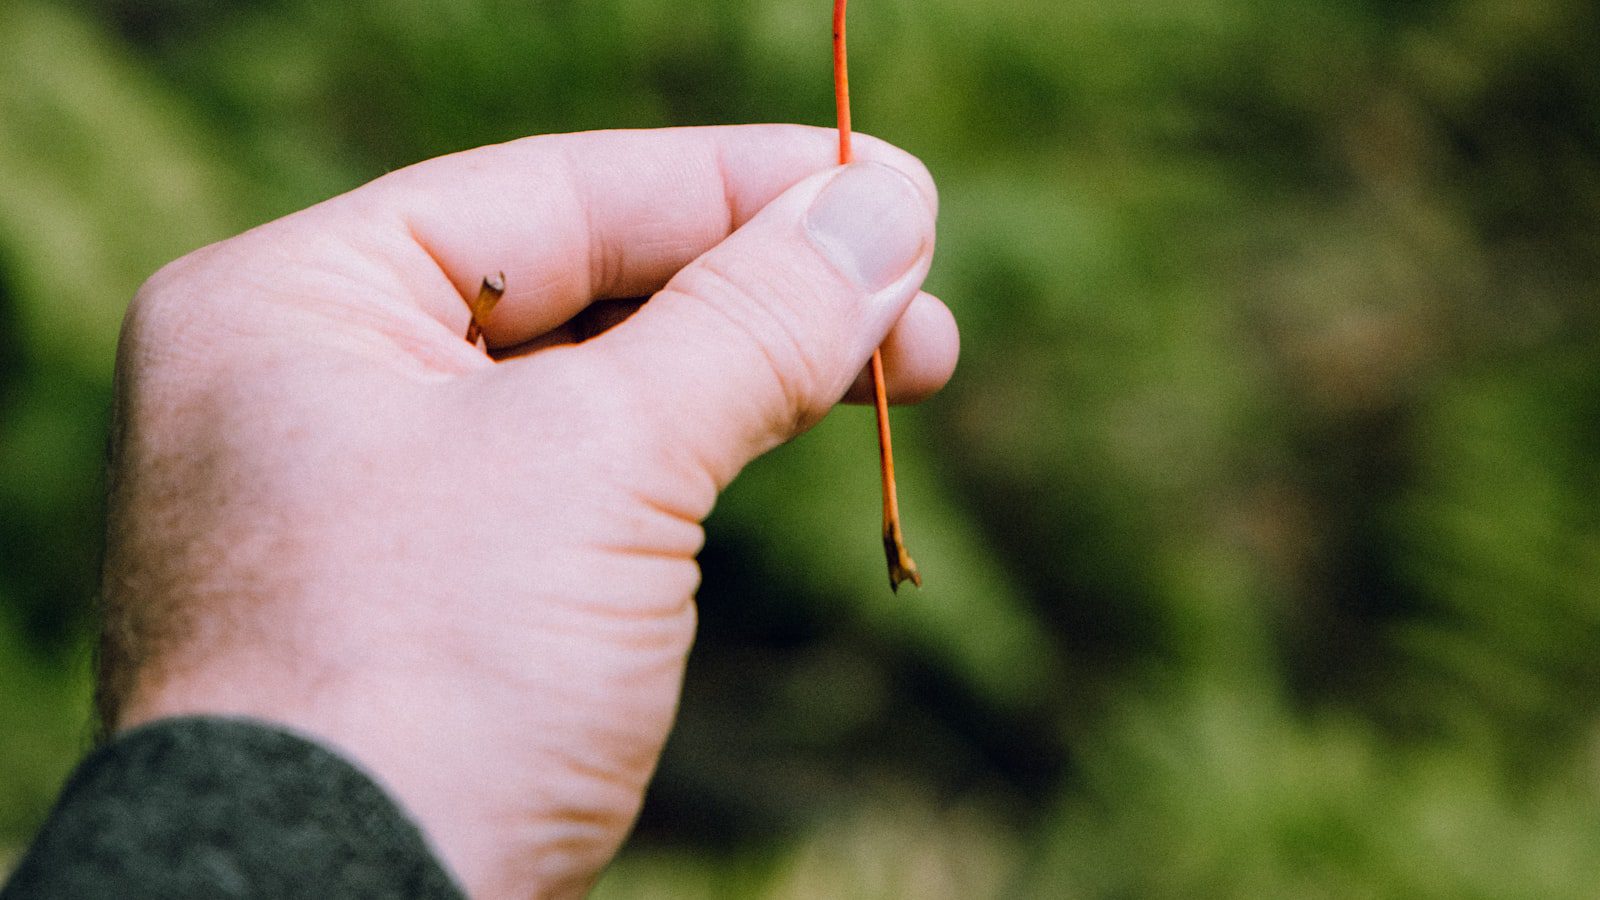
x=221 y=808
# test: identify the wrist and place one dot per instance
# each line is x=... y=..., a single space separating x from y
x=523 y=785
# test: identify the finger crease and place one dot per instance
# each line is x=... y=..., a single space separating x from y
x=598 y=268
x=433 y=258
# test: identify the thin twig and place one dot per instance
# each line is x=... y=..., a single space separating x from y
x=901 y=566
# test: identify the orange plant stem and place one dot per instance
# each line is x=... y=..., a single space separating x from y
x=901 y=566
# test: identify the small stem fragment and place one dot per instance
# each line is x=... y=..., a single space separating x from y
x=489 y=293
x=901 y=566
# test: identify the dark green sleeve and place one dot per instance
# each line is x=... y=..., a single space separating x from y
x=216 y=808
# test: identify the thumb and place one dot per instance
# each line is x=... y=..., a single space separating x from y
x=757 y=339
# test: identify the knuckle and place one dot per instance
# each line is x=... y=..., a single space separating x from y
x=167 y=304
x=761 y=307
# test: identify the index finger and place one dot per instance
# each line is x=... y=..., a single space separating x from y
x=574 y=218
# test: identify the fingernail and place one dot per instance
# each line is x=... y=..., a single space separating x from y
x=871 y=222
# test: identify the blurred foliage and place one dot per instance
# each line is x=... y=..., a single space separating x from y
x=1261 y=524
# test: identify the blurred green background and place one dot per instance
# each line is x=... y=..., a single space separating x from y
x=1261 y=523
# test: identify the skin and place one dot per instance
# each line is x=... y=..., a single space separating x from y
x=476 y=578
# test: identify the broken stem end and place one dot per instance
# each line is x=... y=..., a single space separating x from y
x=901 y=566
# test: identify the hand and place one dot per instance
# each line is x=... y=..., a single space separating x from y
x=476 y=578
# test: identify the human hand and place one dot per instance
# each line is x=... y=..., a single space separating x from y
x=476 y=579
